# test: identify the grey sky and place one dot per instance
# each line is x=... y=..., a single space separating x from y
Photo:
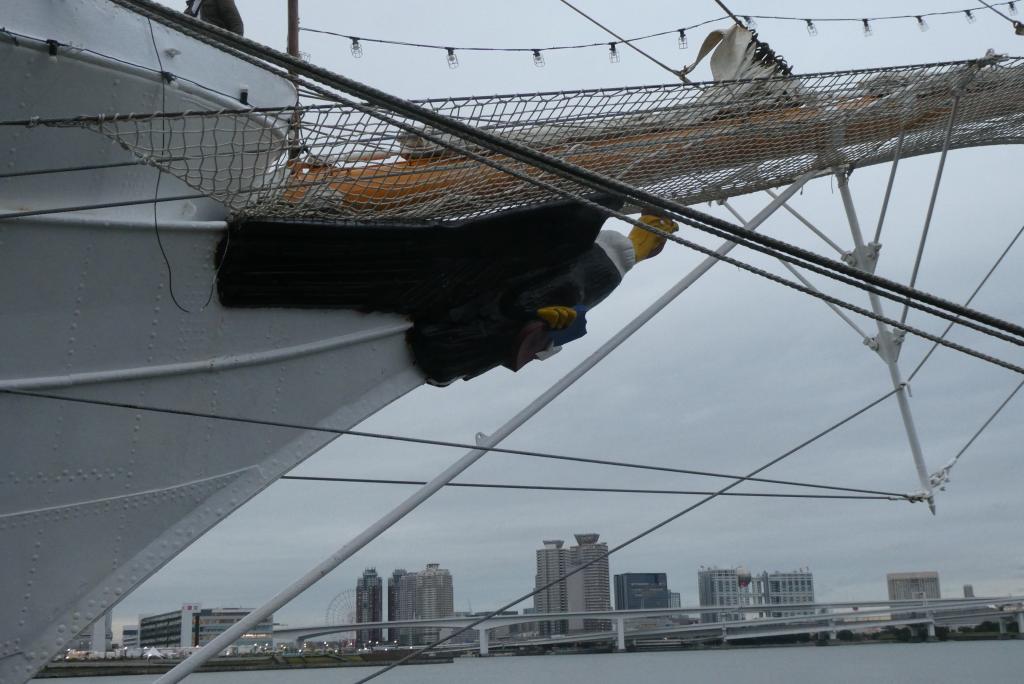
x=734 y=373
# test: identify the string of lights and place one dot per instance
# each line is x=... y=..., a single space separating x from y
x=682 y=38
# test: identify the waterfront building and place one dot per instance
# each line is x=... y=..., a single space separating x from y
x=552 y=561
x=407 y=608
x=194 y=625
x=723 y=587
x=435 y=598
x=586 y=590
x=777 y=589
x=907 y=586
x=369 y=598
x=594 y=588
x=96 y=638
x=173 y=629
x=638 y=590
x=394 y=584
x=130 y=638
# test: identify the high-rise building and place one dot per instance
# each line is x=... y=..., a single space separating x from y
x=907 y=586
x=435 y=598
x=369 y=590
x=595 y=589
x=586 y=590
x=777 y=589
x=723 y=587
x=394 y=585
x=552 y=561
x=674 y=600
x=968 y=591
x=638 y=590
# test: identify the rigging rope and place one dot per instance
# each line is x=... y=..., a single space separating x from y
x=1017 y=26
x=970 y=299
x=940 y=478
x=443 y=443
x=612 y=490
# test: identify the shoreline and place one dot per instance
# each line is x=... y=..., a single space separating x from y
x=141 y=666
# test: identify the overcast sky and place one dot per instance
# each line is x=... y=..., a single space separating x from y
x=735 y=372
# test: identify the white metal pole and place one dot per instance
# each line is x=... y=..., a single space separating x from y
x=886 y=346
x=232 y=633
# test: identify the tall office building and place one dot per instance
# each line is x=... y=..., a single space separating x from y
x=594 y=589
x=369 y=590
x=552 y=561
x=674 y=600
x=403 y=585
x=777 y=589
x=435 y=598
x=968 y=591
x=638 y=590
x=907 y=586
x=723 y=587
x=394 y=582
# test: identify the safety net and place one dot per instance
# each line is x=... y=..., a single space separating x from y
x=685 y=142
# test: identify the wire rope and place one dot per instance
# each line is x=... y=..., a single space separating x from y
x=612 y=490
x=1017 y=26
x=443 y=443
x=935 y=344
x=941 y=477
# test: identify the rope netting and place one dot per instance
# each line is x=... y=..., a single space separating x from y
x=687 y=143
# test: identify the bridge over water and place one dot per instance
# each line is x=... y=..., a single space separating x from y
x=803 y=618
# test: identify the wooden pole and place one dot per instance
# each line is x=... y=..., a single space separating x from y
x=293 y=50
x=293 y=28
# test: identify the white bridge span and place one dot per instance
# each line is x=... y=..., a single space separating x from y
x=818 y=617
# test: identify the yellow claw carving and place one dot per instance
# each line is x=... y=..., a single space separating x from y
x=557 y=317
x=648 y=244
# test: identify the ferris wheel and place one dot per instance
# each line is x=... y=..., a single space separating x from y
x=342 y=611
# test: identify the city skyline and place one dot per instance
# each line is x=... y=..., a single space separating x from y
x=753 y=589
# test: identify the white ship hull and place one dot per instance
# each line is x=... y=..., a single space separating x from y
x=94 y=499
